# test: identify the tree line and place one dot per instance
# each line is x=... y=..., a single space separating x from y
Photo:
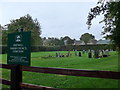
x=26 y=23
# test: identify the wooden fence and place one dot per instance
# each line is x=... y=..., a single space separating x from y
x=61 y=71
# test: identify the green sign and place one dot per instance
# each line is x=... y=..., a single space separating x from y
x=19 y=48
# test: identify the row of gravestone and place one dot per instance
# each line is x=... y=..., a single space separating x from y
x=91 y=53
x=99 y=53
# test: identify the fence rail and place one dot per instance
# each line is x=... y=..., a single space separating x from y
x=62 y=71
x=28 y=86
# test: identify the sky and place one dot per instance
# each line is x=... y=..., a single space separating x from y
x=57 y=19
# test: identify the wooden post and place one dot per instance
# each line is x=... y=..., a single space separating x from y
x=16 y=77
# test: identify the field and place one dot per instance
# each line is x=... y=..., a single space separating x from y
x=41 y=59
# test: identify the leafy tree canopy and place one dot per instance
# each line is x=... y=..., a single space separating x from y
x=111 y=12
x=51 y=41
x=3 y=35
x=86 y=37
x=27 y=24
x=0 y=34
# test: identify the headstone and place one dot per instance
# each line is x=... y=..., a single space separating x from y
x=86 y=51
x=90 y=54
x=79 y=54
x=100 y=53
x=68 y=53
x=107 y=52
x=56 y=54
x=96 y=54
x=75 y=52
x=83 y=51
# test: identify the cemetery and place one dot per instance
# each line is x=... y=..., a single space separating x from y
x=56 y=50
x=84 y=59
x=61 y=63
x=83 y=62
x=91 y=53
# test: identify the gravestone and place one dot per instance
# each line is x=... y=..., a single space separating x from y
x=89 y=55
x=56 y=54
x=79 y=54
x=75 y=52
x=96 y=54
x=83 y=51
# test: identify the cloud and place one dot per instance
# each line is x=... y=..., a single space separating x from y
x=56 y=19
x=48 y=0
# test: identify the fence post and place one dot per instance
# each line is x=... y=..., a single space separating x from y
x=16 y=77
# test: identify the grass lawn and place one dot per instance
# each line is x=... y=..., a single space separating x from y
x=62 y=81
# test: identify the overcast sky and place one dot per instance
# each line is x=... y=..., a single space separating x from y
x=57 y=19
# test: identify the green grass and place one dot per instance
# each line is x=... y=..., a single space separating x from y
x=62 y=81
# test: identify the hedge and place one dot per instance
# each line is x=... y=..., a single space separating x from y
x=86 y=47
x=64 y=48
x=44 y=48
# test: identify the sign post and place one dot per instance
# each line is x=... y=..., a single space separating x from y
x=19 y=53
x=16 y=77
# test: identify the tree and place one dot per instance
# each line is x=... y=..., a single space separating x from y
x=3 y=35
x=56 y=41
x=61 y=42
x=86 y=37
x=53 y=41
x=111 y=12
x=27 y=24
x=0 y=34
x=68 y=40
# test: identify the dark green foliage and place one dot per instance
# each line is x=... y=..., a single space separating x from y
x=86 y=37
x=111 y=11
x=65 y=48
x=4 y=37
x=27 y=24
x=45 y=48
x=86 y=47
x=71 y=47
x=0 y=35
x=3 y=49
x=55 y=41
